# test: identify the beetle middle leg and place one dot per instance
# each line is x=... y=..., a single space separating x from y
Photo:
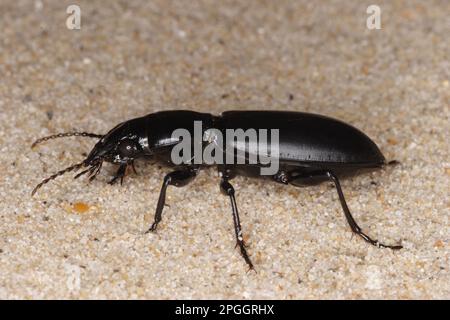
x=228 y=190
x=178 y=178
x=299 y=178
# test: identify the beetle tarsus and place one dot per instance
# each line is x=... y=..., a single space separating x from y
x=152 y=228
x=373 y=242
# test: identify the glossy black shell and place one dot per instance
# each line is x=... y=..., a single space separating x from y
x=305 y=139
x=311 y=139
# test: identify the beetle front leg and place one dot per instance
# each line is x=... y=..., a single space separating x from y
x=177 y=178
x=228 y=189
x=119 y=174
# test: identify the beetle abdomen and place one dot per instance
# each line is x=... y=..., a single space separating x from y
x=310 y=138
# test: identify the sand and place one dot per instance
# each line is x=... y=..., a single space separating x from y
x=81 y=240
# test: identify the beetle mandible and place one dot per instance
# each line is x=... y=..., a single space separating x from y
x=312 y=149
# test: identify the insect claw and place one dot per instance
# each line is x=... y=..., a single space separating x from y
x=151 y=229
x=251 y=268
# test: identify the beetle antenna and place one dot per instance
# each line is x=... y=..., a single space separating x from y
x=67 y=134
x=59 y=173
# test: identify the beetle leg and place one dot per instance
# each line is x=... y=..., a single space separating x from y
x=309 y=178
x=353 y=225
x=119 y=174
x=228 y=189
x=134 y=168
x=177 y=178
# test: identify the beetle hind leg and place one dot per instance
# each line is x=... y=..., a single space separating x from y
x=351 y=221
x=301 y=179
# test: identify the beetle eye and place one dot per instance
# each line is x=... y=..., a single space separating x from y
x=127 y=148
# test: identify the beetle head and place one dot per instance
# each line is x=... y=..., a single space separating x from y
x=121 y=145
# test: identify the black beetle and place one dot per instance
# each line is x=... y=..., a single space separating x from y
x=311 y=149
